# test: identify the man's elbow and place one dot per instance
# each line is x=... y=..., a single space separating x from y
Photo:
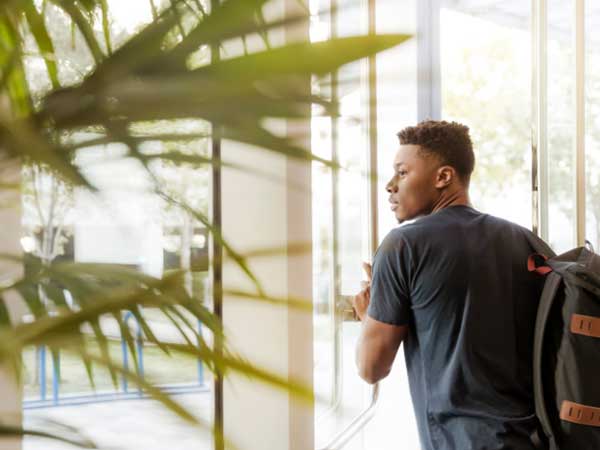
x=372 y=375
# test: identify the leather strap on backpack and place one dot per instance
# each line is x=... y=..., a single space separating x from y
x=585 y=325
x=581 y=414
x=539 y=246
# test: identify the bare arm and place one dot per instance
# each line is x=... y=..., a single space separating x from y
x=377 y=348
x=378 y=342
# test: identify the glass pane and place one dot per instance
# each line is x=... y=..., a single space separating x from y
x=322 y=231
x=353 y=214
x=396 y=95
x=125 y=223
x=477 y=92
x=352 y=153
x=342 y=391
x=394 y=424
x=592 y=123
x=561 y=127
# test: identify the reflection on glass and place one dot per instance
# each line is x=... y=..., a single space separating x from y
x=477 y=92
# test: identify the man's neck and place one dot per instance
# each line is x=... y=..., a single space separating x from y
x=456 y=198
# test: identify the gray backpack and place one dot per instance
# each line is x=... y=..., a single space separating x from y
x=567 y=347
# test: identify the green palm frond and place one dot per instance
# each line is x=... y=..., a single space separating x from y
x=59 y=435
x=155 y=75
x=38 y=29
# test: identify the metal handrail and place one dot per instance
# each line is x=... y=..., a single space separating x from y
x=356 y=425
x=344 y=313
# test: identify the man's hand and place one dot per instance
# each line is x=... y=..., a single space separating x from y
x=360 y=302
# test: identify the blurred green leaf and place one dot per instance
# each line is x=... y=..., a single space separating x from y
x=106 y=26
x=83 y=25
x=149 y=388
x=301 y=58
x=22 y=138
x=291 y=302
x=82 y=442
x=147 y=78
x=31 y=295
x=4 y=315
x=42 y=38
x=102 y=341
x=13 y=76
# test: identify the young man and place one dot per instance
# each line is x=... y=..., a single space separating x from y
x=453 y=286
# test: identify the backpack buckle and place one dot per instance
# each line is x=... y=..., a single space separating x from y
x=536 y=262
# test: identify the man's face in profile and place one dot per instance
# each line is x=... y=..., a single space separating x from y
x=412 y=188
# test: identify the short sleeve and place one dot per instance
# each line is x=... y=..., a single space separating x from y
x=390 y=297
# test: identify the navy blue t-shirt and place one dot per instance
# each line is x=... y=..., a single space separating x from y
x=458 y=278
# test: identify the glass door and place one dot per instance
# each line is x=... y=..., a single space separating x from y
x=340 y=224
x=376 y=99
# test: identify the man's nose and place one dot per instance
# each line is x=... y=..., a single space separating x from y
x=391 y=186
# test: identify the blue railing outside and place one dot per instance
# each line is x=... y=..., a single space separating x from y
x=125 y=352
x=123 y=394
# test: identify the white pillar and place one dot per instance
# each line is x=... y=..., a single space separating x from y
x=259 y=213
x=10 y=218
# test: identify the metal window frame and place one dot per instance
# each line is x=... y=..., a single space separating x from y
x=216 y=268
x=539 y=118
x=429 y=85
x=539 y=121
x=337 y=380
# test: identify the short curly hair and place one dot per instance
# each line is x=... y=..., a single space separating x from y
x=449 y=141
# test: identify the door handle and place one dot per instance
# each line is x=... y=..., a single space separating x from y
x=345 y=309
x=345 y=313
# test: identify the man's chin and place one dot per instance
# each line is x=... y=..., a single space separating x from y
x=400 y=218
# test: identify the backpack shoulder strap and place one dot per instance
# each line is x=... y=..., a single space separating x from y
x=551 y=286
x=539 y=246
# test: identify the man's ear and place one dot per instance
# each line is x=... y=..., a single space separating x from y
x=445 y=177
